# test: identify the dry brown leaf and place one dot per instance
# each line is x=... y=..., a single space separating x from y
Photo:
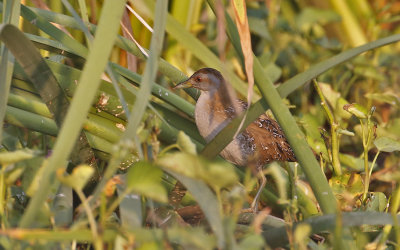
x=242 y=24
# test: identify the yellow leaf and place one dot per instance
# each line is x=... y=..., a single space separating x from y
x=240 y=8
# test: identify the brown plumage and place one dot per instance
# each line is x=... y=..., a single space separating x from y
x=263 y=141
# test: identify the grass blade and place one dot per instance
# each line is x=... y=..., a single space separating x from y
x=89 y=82
x=11 y=16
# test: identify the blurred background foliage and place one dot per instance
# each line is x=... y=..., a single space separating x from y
x=137 y=202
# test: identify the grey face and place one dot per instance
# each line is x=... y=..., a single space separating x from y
x=205 y=79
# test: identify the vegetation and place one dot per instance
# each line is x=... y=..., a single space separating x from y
x=97 y=149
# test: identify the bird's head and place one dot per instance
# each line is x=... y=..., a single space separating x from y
x=206 y=79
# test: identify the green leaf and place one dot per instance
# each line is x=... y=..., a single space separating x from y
x=387 y=144
x=259 y=27
x=252 y=241
x=208 y=203
x=185 y=144
x=145 y=179
x=310 y=16
x=352 y=162
x=191 y=237
x=216 y=174
x=378 y=202
x=387 y=97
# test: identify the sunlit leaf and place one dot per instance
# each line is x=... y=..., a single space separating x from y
x=185 y=144
x=302 y=233
x=339 y=108
x=78 y=178
x=16 y=156
x=220 y=174
x=357 y=110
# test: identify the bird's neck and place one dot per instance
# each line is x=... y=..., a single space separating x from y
x=214 y=110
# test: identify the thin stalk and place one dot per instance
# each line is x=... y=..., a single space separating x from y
x=366 y=142
x=102 y=210
x=167 y=148
x=321 y=163
x=115 y=203
x=383 y=237
x=335 y=150
x=351 y=26
x=393 y=210
x=373 y=162
x=61 y=235
x=365 y=156
x=292 y=181
x=98 y=243
x=2 y=197
x=334 y=131
x=366 y=178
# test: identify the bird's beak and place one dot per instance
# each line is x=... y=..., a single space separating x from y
x=184 y=85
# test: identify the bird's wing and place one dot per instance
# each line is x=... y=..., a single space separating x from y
x=271 y=139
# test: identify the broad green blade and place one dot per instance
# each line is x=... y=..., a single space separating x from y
x=41 y=76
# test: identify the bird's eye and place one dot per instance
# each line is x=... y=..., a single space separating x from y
x=198 y=79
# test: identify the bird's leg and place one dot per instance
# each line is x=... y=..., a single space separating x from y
x=262 y=181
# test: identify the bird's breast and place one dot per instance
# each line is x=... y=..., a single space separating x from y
x=210 y=119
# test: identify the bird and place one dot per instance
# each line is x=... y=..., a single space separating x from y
x=262 y=142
